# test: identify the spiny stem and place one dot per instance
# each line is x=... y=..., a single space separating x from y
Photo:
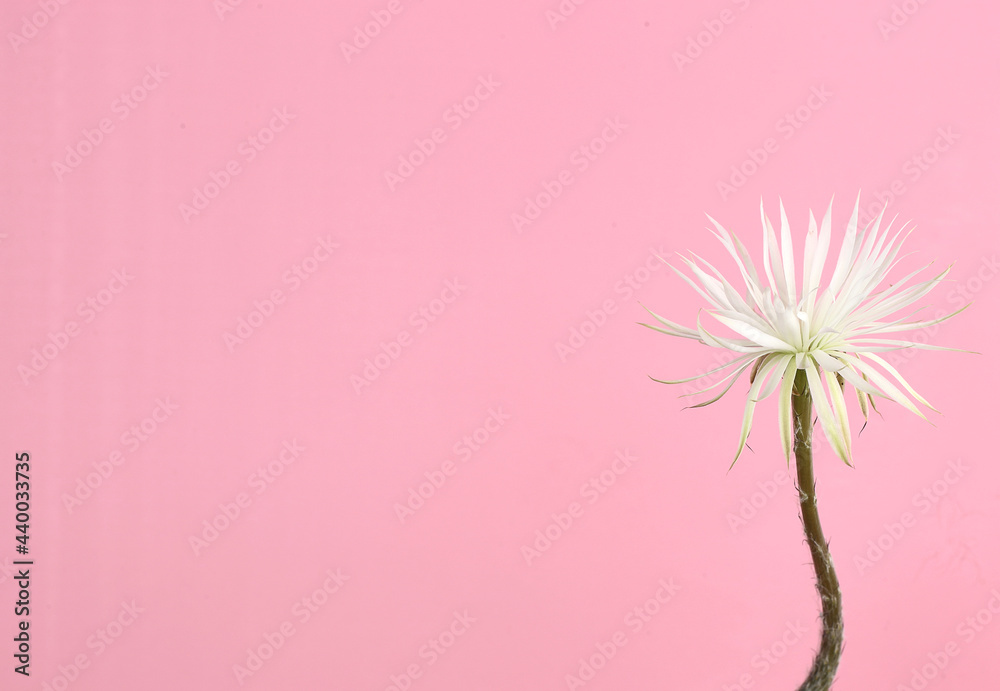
x=827 y=659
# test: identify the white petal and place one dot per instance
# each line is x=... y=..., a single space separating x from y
x=732 y=380
x=903 y=325
x=790 y=329
x=736 y=361
x=840 y=412
x=748 y=316
x=875 y=301
x=862 y=401
x=823 y=305
x=711 y=284
x=669 y=332
x=850 y=348
x=787 y=257
x=877 y=251
x=698 y=289
x=907 y=297
x=775 y=371
x=819 y=258
x=879 y=380
x=827 y=362
x=885 y=261
x=772 y=256
x=859 y=382
x=681 y=330
x=742 y=258
x=749 y=408
x=825 y=411
x=785 y=409
x=843 y=266
x=854 y=291
x=753 y=333
x=871 y=235
x=728 y=343
x=874 y=326
x=812 y=237
x=907 y=344
x=899 y=377
x=734 y=299
x=769 y=310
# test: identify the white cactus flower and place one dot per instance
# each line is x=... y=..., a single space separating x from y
x=832 y=331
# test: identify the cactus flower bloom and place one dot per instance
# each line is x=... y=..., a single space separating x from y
x=789 y=319
x=807 y=340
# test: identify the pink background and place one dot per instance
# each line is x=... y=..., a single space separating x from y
x=838 y=98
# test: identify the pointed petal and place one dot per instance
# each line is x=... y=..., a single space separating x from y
x=727 y=379
x=827 y=362
x=898 y=345
x=775 y=369
x=748 y=316
x=732 y=381
x=849 y=348
x=840 y=412
x=860 y=382
x=729 y=343
x=742 y=258
x=844 y=261
x=822 y=306
x=886 y=259
x=735 y=300
x=887 y=387
x=681 y=330
x=785 y=409
x=864 y=271
x=812 y=237
x=711 y=284
x=731 y=363
x=698 y=289
x=899 y=377
x=668 y=331
x=748 y=413
x=753 y=333
x=884 y=306
x=862 y=401
x=903 y=325
x=772 y=257
x=819 y=256
x=825 y=411
x=787 y=257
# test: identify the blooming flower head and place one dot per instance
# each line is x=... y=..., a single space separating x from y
x=833 y=330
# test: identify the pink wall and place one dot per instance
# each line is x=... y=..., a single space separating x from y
x=265 y=273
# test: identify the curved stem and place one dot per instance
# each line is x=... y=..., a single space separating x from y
x=832 y=642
